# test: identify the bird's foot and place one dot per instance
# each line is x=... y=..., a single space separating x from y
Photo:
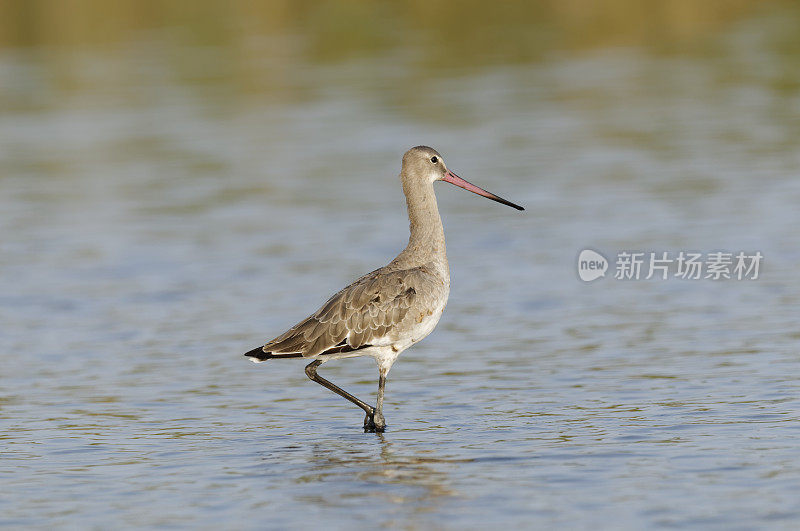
x=374 y=423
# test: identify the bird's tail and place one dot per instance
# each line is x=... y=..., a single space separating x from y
x=257 y=355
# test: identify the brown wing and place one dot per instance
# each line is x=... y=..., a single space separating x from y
x=361 y=314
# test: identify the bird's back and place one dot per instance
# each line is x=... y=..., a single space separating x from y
x=391 y=306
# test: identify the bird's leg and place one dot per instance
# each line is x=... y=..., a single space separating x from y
x=311 y=372
x=369 y=424
x=377 y=417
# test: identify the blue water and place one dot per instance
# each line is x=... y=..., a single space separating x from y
x=155 y=228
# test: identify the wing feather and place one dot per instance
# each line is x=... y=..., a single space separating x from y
x=367 y=311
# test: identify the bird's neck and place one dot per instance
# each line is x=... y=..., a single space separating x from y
x=426 y=243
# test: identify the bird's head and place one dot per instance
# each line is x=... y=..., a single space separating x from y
x=424 y=165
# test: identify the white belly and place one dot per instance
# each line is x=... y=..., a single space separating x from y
x=426 y=326
x=421 y=327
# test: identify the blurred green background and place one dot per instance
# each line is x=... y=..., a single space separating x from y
x=260 y=47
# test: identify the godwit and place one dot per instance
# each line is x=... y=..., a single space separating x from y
x=384 y=312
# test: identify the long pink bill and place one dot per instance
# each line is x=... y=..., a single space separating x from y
x=452 y=178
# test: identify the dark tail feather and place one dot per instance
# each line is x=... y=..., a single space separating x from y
x=258 y=354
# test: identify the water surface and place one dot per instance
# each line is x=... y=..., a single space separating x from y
x=174 y=198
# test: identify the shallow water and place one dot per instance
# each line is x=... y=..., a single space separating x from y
x=162 y=214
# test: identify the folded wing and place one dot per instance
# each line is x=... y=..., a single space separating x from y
x=370 y=311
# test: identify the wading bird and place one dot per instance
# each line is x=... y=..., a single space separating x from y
x=384 y=312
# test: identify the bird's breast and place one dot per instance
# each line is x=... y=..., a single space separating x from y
x=426 y=319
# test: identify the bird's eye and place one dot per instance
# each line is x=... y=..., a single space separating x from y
x=434 y=160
